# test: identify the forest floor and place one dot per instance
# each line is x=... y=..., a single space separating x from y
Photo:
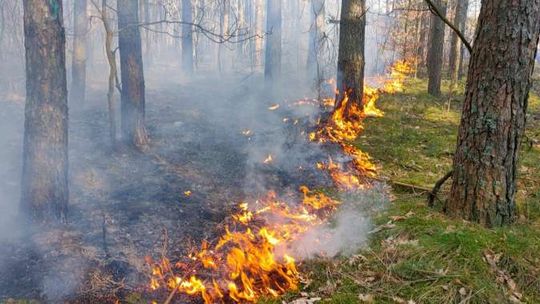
x=123 y=202
x=417 y=255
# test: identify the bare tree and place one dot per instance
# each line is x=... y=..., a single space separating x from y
x=113 y=70
x=45 y=192
x=272 y=64
x=187 y=37
x=494 y=112
x=78 y=65
x=316 y=37
x=258 y=43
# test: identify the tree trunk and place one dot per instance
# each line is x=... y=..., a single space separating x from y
x=316 y=36
x=435 y=53
x=224 y=32
x=259 y=21
x=131 y=69
x=45 y=192
x=272 y=64
x=455 y=43
x=78 y=64
x=113 y=71
x=187 y=37
x=350 y=76
x=494 y=112
x=423 y=42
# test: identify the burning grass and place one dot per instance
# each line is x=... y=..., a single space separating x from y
x=417 y=255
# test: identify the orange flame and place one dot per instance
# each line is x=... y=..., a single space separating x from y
x=252 y=257
x=250 y=260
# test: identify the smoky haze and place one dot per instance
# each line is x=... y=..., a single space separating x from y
x=121 y=202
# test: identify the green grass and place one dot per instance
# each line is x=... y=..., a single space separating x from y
x=423 y=256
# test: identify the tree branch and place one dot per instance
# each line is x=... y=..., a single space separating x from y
x=437 y=12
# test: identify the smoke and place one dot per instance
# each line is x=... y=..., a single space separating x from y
x=348 y=229
x=123 y=201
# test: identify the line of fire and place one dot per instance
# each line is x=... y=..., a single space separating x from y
x=269 y=151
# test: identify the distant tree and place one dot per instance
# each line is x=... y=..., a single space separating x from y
x=78 y=64
x=351 y=61
x=131 y=70
x=316 y=36
x=494 y=112
x=187 y=37
x=435 y=51
x=460 y=19
x=272 y=66
x=45 y=149
x=113 y=82
x=223 y=31
x=258 y=41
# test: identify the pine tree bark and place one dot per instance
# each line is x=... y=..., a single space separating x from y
x=351 y=61
x=455 y=44
x=131 y=70
x=187 y=37
x=435 y=52
x=494 y=112
x=45 y=194
x=78 y=64
x=259 y=22
x=272 y=65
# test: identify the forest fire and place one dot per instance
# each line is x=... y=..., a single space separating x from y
x=342 y=128
x=251 y=257
x=254 y=257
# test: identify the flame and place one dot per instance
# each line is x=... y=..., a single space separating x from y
x=250 y=259
x=273 y=107
x=269 y=159
x=346 y=123
x=187 y=193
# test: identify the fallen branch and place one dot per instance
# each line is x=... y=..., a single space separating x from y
x=414 y=188
x=433 y=193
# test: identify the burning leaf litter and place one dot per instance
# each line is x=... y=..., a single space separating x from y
x=254 y=257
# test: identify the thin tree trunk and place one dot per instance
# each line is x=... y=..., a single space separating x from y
x=494 y=112
x=224 y=32
x=113 y=71
x=316 y=36
x=259 y=21
x=436 y=48
x=272 y=64
x=45 y=191
x=455 y=43
x=422 y=45
x=350 y=76
x=78 y=64
x=187 y=37
x=131 y=68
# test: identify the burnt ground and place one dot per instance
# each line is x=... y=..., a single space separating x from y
x=125 y=205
